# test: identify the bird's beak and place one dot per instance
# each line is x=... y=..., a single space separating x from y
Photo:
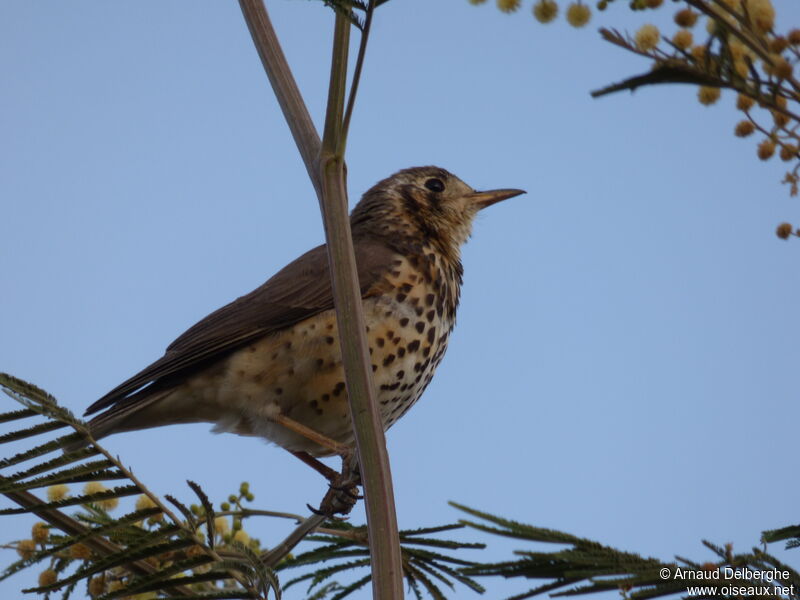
x=484 y=199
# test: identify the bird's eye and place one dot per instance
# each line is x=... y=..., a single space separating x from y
x=435 y=185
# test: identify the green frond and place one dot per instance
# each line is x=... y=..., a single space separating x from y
x=185 y=511
x=784 y=533
x=128 y=555
x=209 y=511
x=21 y=434
x=426 y=582
x=427 y=530
x=59 y=461
x=51 y=446
x=263 y=578
x=321 y=575
x=168 y=574
x=353 y=587
x=16 y=388
x=460 y=577
x=117 y=492
x=515 y=529
x=17 y=414
x=91 y=471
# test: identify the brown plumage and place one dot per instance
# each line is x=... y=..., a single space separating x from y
x=275 y=351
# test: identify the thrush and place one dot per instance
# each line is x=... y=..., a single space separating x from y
x=268 y=364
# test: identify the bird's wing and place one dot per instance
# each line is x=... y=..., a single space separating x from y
x=296 y=292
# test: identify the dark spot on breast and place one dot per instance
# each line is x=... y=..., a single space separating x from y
x=278 y=391
x=312 y=326
x=419 y=310
x=413 y=346
x=417 y=368
x=401 y=352
x=430 y=315
x=414 y=301
x=401 y=374
x=395 y=274
x=404 y=387
x=329 y=340
x=326 y=397
x=393 y=386
x=388 y=360
x=380 y=341
x=431 y=334
x=420 y=326
x=406 y=287
x=314 y=404
x=403 y=321
x=426 y=351
x=329 y=326
x=374 y=368
x=400 y=297
x=338 y=388
x=429 y=299
x=396 y=341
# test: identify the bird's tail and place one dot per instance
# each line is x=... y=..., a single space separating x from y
x=121 y=416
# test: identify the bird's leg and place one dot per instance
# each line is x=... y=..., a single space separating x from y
x=343 y=493
x=316 y=464
x=310 y=434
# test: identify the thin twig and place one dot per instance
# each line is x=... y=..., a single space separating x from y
x=274 y=555
x=362 y=50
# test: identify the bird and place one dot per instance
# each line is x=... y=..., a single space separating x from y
x=269 y=364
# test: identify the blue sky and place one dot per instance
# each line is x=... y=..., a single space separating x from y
x=624 y=364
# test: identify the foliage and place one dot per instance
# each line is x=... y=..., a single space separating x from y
x=586 y=566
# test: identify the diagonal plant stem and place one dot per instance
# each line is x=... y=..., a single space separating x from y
x=328 y=176
x=100 y=545
x=362 y=50
x=284 y=86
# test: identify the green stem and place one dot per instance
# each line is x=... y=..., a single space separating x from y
x=384 y=538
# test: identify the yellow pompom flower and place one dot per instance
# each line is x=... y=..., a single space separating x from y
x=685 y=18
x=683 y=39
x=40 y=532
x=744 y=128
x=699 y=53
x=57 y=492
x=80 y=552
x=47 y=577
x=766 y=149
x=761 y=14
x=545 y=11
x=578 y=14
x=242 y=537
x=97 y=586
x=784 y=230
x=647 y=37
x=26 y=549
x=508 y=6
x=744 y=103
x=708 y=95
x=221 y=525
x=788 y=152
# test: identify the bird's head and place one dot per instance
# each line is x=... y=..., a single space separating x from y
x=428 y=204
